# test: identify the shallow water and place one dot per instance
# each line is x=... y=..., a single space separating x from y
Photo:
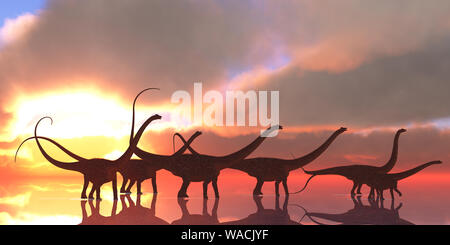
x=27 y=200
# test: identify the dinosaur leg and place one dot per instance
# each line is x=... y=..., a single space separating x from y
x=399 y=193
x=97 y=191
x=124 y=184
x=182 y=192
x=257 y=190
x=91 y=194
x=359 y=189
x=85 y=186
x=392 y=193
x=352 y=192
x=132 y=181
x=114 y=186
x=216 y=189
x=381 y=195
x=139 y=191
x=277 y=188
x=285 y=186
x=155 y=188
x=372 y=193
x=205 y=189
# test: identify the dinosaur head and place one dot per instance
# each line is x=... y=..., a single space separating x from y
x=156 y=117
x=402 y=130
x=342 y=129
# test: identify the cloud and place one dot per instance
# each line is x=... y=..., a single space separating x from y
x=19 y=200
x=362 y=64
x=15 y=29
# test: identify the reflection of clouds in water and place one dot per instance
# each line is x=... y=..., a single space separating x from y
x=33 y=219
x=20 y=200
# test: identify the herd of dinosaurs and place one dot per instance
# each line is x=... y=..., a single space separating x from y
x=197 y=167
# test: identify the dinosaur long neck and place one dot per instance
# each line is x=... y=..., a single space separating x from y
x=59 y=164
x=129 y=152
x=407 y=173
x=229 y=160
x=391 y=163
x=304 y=160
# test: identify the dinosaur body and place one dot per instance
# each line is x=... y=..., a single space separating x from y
x=202 y=168
x=98 y=171
x=359 y=174
x=381 y=182
x=275 y=169
x=139 y=170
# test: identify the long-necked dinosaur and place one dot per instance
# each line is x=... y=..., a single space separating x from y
x=275 y=169
x=359 y=173
x=139 y=170
x=98 y=171
x=381 y=182
x=203 y=168
x=360 y=214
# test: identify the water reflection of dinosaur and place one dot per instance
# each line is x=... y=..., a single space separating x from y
x=131 y=214
x=204 y=168
x=96 y=218
x=264 y=216
x=360 y=214
x=136 y=214
x=359 y=173
x=197 y=219
x=275 y=169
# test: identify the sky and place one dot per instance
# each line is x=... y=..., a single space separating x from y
x=373 y=67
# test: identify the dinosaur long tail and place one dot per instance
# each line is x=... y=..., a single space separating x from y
x=306 y=184
x=71 y=154
x=63 y=165
x=186 y=143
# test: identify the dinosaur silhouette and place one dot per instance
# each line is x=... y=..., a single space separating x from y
x=358 y=173
x=98 y=171
x=197 y=219
x=139 y=170
x=275 y=169
x=264 y=216
x=381 y=182
x=203 y=168
x=360 y=214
